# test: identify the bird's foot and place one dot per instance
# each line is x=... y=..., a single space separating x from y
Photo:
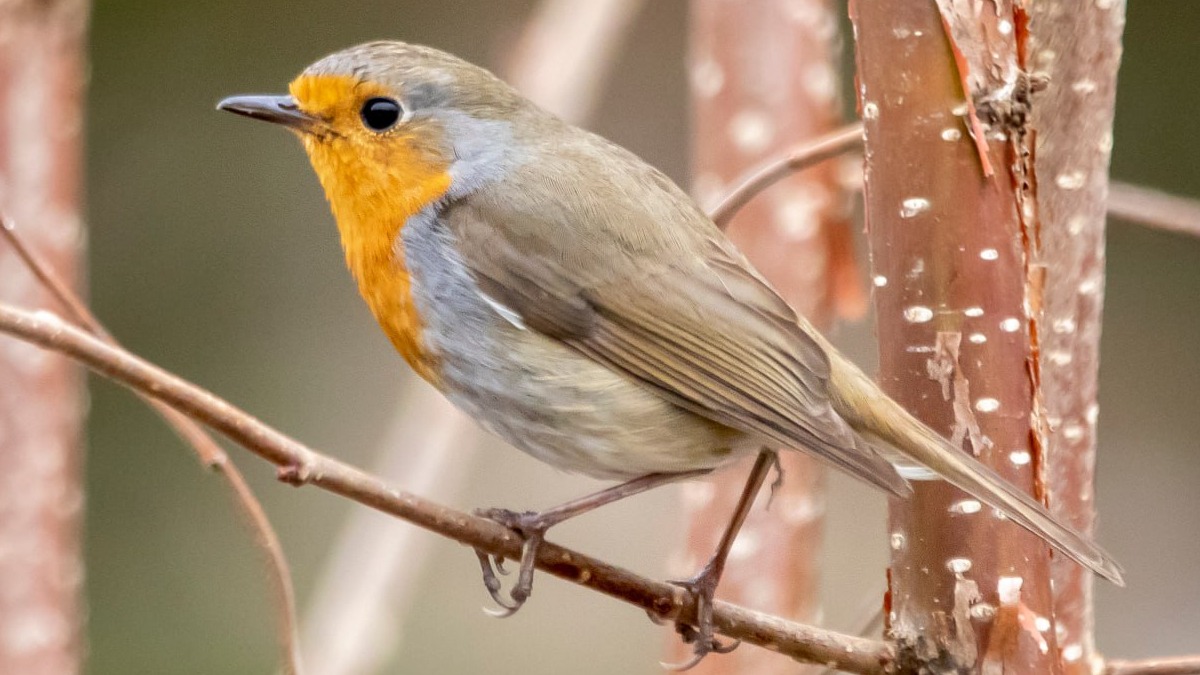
x=702 y=636
x=532 y=528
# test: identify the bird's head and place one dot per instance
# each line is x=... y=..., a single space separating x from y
x=391 y=128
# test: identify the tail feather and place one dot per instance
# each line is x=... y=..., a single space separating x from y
x=871 y=412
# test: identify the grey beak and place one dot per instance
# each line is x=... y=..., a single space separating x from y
x=276 y=109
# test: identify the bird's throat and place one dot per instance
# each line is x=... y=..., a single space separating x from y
x=370 y=215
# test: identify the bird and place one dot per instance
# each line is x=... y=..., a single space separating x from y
x=576 y=302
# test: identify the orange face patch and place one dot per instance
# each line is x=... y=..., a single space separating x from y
x=374 y=183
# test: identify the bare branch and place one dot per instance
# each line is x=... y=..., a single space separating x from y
x=1179 y=665
x=205 y=447
x=1147 y=206
x=300 y=465
x=772 y=171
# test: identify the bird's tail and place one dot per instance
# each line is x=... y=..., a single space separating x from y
x=871 y=412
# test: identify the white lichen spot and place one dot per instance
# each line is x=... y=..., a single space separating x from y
x=918 y=268
x=1042 y=623
x=879 y=280
x=751 y=130
x=987 y=405
x=989 y=254
x=1060 y=357
x=1101 y=4
x=1064 y=326
x=917 y=314
x=977 y=338
x=1075 y=224
x=959 y=110
x=913 y=206
x=1089 y=286
x=951 y=134
x=973 y=311
x=983 y=611
x=959 y=565
x=1008 y=590
x=1073 y=432
x=1004 y=27
x=1010 y=325
x=1073 y=652
x=870 y=110
x=1070 y=180
x=1092 y=414
x=966 y=506
x=1084 y=87
x=897 y=540
x=708 y=79
x=1019 y=457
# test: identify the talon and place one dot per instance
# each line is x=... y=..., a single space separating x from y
x=530 y=526
x=684 y=665
x=778 y=482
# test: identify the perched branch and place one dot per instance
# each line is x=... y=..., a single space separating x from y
x=1179 y=665
x=205 y=447
x=300 y=465
x=1147 y=206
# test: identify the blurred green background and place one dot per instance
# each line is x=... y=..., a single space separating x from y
x=214 y=255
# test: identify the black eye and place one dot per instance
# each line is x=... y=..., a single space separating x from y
x=381 y=114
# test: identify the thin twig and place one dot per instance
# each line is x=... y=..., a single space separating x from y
x=1179 y=665
x=1134 y=203
x=300 y=465
x=1147 y=206
x=209 y=452
x=772 y=171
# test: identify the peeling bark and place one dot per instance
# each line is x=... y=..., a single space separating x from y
x=955 y=251
x=41 y=96
x=763 y=77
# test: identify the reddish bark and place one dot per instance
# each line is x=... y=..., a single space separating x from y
x=41 y=96
x=958 y=299
x=1078 y=45
x=763 y=77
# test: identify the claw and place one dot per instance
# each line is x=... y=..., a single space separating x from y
x=778 y=482
x=702 y=636
x=529 y=526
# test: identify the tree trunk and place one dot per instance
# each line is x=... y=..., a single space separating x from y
x=1079 y=46
x=960 y=254
x=41 y=97
x=764 y=76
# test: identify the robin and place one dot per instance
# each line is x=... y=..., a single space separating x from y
x=573 y=300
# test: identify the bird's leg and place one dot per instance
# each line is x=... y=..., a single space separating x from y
x=703 y=586
x=532 y=528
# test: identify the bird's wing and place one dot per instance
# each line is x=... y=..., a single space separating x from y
x=634 y=277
